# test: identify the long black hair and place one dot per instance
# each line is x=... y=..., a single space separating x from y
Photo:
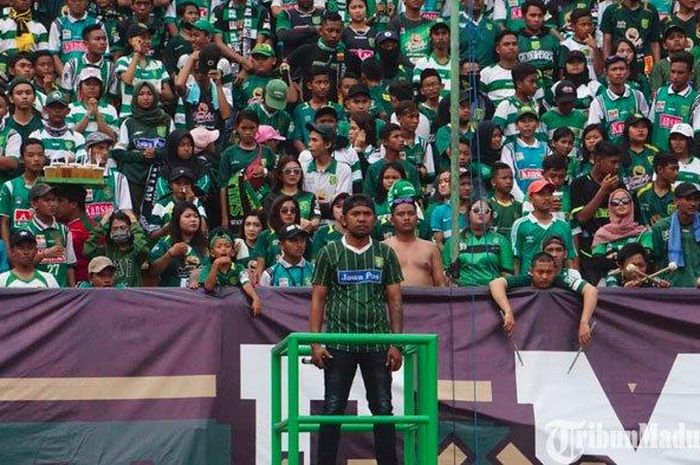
x=275 y=218
x=393 y=165
x=199 y=241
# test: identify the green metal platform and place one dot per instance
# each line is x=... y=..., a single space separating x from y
x=419 y=423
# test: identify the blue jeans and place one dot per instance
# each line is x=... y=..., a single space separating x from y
x=338 y=376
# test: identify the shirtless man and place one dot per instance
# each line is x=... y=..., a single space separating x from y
x=420 y=259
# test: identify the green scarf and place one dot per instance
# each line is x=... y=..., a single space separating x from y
x=153 y=116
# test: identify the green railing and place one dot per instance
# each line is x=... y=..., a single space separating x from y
x=419 y=423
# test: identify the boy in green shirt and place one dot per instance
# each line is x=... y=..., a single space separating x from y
x=655 y=199
x=291 y=269
x=271 y=111
x=506 y=210
x=536 y=45
x=24 y=274
x=564 y=114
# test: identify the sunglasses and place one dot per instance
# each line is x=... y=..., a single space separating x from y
x=288 y=210
x=618 y=202
x=406 y=200
x=479 y=211
x=289 y=171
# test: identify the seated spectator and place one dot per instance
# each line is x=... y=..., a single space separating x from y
x=244 y=245
x=272 y=109
x=496 y=80
x=529 y=232
x=115 y=193
x=637 y=76
x=61 y=144
x=89 y=114
x=179 y=44
x=180 y=153
x=55 y=253
x=359 y=32
x=583 y=42
x=66 y=33
x=441 y=219
x=24 y=273
x=21 y=31
x=144 y=15
x=582 y=162
x=224 y=272
x=543 y=276
x=576 y=71
x=439 y=58
x=181 y=189
x=270 y=138
x=290 y=269
x=655 y=199
x=430 y=89
x=142 y=141
x=505 y=208
x=483 y=254
x=525 y=83
x=176 y=256
x=23 y=117
x=333 y=230
x=416 y=149
x=564 y=114
x=620 y=231
x=288 y=180
x=15 y=205
x=70 y=211
x=487 y=143
x=677 y=238
x=119 y=237
x=101 y=274
x=284 y=211
x=637 y=166
x=390 y=151
x=632 y=264
x=362 y=135
x=391 y=173
x=681 y=143
x=556 y=247
x=252 y=87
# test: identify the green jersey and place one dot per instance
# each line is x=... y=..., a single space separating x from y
x=612 y=110
x=497 y=83
x=652 y=206
x=371 y=181
x=480 y=259
x=34 y=124
x=540 y=50
x=414 y=36
x=267 y=247
x=78 y=112
x=304 y=113
x=553 y=120
x=241 y=24
x=509 y=14
x=506 y=114
x=162 y=212
x=253 y=89
x=235 y=158
x=236 y=276
x=640 y=170
x=610 y=249
x=40 y=279
x=10 y=45
x=684 y=276
x=14 y=202
x=689 y=171
x=671 y=108
x=324 y=234
x=148 y=70
x=619 y=21
x=356 y=281
x=504 y=215
x=284 y=274
x=528 y=236
x=51 y=235
x=128 y=262
x=178 y=272
x=66 y=36
x=477 y=38
x=278 y=119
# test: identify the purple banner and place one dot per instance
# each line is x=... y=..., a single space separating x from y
x=173 y=376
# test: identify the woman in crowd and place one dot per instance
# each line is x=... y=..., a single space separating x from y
x=583 y=164
x=363 y=137
x=175 y=257
x=288 y=179
x=389 y=174
x=180 y=153
x=332 y=231
x=284 y=211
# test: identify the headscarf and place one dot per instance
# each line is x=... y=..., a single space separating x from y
x=619 y=226
x=481 y=145
x=194 y=164
x=153 y=116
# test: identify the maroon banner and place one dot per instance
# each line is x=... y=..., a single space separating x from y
x=174 y=376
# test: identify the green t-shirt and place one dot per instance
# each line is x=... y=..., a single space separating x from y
x=553 y=120
x=278 y=119
x=640 y=171
x=480 y=259
x=610 y=249
x=356 y=284
x=414 y=36
x=177 y=274
x=528 y=236
x=305 y=113
x=47 y=236
x=235 y=158
x=267 y=247
x=619 y=21
x=684 y=276
x=14 y=202
x=653 y=207
x=324 y=234
x=237 y=275
x=505 y=215
x=671 y=108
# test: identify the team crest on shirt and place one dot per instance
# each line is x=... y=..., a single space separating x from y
x=333 y=180
x=645 y=23
x=161 y=131
x=613 y=114
x=379 y=262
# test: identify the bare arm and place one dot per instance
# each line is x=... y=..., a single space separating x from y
x=224 y=207
x=128 y=76
x=5 y=231
x=656 y=51
x=498 y=288
x=439 y=238
x=590 y=301
x=393 y=300
x=438 y=271
x=607 y=45
x=318 y=304
x=256 y=303
x=70 y=274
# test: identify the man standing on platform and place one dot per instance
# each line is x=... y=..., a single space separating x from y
x=355 y=280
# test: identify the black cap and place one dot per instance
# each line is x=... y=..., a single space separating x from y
x=181 y=172
x=636 y=118
x=384 y=36
x=575 y=55
x=326 y=110
x=358 y=89
x=326 y=131
x=40 y=190
x=22 y=236
x=565 y=92
x=72 y=192
x=136 y=30
x=291 y=231
x=686 y=189
x=673 y=28
x=612 y=59
x=439 y=24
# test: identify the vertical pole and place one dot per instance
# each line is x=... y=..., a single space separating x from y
x=276 y=408
x=454 y=126
x=293 y=389
x=409 y=406
x=431 y=407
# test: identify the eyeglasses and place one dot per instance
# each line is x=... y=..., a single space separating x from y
x=288 y=210
x=618 y=202
x=404 y=200
x=289 y=171
x=479 y=211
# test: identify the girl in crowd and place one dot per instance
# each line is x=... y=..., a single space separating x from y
x=288 y=179
x=389 y=174
x=637 y=166
x=179 y=153
x=284 y=211
x=358 y=35
x=583 y=164
x=363 y=138
x=175 y=257
x=332 y=231
x=252 y=227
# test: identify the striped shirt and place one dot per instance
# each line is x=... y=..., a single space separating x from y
x=41 y=279
x=71 y=74
x=68 y=147
x=78 y=112
x=497 y=83
x=356 y=281
x=66 y=36
x=149 y=70
x=8 y=37
x=443 y=70
x=14 y=202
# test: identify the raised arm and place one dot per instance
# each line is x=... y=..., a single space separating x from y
x=498 y=288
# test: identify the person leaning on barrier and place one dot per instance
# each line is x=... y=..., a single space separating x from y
x=356 y=279
x=542 y=276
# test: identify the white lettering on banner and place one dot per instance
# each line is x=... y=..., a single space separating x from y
x=255 y=385
x=573 y=415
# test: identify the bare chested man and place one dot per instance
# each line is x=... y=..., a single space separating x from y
x=420 y=259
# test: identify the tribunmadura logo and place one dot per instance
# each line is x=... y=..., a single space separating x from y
x=567 y=441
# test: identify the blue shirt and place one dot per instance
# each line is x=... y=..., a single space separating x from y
x=441 y=220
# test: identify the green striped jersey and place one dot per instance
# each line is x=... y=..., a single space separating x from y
x=689 y=172
x=41 y=279
x=66 y=36
x=50 y=235
x=149 y=70
x=443 y=70
x=356 y=281
x=506 y=114
x=58 y=149
x=114 y=195
x=528 y=235
x=497 y=83
x=71 y=72
x=8 y=37
x=78 y=112
x=14 y=202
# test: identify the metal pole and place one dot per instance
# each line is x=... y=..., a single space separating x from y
x=454 y=128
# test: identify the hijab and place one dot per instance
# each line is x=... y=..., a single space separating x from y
x=619 y=226
x=481 y=145
x=195 y=164
x=152 y=116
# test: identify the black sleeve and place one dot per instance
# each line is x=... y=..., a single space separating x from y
x=293 y=38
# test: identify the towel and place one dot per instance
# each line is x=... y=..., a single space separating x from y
x=675 y=241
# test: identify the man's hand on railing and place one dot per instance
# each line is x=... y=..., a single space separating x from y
x=393 y=358
x=319 y=355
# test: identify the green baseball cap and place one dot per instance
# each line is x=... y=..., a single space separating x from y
x=401 y=190
x=204 y=26
x=264 y=50
x=56 y=97
x=526 y=110
x=276 y=94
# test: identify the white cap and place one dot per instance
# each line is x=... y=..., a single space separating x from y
x=89 y=72
x=683 y=129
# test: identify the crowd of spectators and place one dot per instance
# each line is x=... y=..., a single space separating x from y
x=231 y=132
